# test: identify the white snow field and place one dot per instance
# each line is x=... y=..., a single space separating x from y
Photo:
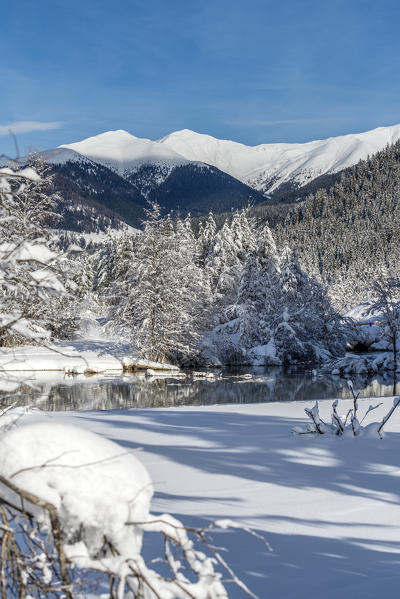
x=328 y=506
x=264 y=167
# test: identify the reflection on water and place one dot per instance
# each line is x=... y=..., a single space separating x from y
x=100 y=392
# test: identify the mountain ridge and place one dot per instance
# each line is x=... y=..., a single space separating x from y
x=114 y=176
x=263 y=167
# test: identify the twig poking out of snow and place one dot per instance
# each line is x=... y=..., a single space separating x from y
x=71 y=505
x=396 y=403
x=350 y=425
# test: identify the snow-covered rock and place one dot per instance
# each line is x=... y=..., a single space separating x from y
x=203 y=375
x=353 y=364
x=150 y=373
x=142 y=364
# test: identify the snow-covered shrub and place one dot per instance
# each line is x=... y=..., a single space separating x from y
x=73 y=504
x=352 y=365
x=348 y=425
x=355 y=365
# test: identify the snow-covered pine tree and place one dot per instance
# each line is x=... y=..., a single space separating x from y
x=281 y=314
x=386 y=305
x=87 y=265
x=163 y=299
x=257 y=289
x=243 y=233
x=102 y=274
x=345 y=233
x=232 y=244
x=306 y=326
x=247 y=321
x=206 y=238
x=105 y=260
x=223 y=266
x=31 y=275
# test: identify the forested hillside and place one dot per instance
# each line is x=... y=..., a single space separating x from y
x=348 y=234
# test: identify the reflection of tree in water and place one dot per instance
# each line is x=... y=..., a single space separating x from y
x=21 y=395
x=275 y=384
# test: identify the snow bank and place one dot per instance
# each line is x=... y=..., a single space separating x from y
x=62 y=357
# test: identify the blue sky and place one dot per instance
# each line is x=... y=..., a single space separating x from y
x=256 y=71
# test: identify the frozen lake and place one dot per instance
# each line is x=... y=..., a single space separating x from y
x=57 y=392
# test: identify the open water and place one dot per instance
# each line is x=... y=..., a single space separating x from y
x=55 y=392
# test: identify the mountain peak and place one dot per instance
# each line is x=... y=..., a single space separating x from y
x=122 y=151
x=186 y=134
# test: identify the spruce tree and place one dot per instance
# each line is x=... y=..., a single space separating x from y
x=163 y=293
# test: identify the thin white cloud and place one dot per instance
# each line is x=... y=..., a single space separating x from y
x=270 y=123
x=28 y=127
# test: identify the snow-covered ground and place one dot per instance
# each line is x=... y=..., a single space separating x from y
x=328 y=506
x=65 y=356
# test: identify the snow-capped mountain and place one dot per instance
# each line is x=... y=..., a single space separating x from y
x=115 y=175
x=159 y=173
x=125 y=153
x=267 y=167
x=124 y=174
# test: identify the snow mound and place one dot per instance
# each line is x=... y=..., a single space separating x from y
x=91 y=481
x=102 y=497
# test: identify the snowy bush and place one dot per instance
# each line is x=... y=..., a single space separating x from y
x=347 y=425
x=355 y=365
x=73 y=505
